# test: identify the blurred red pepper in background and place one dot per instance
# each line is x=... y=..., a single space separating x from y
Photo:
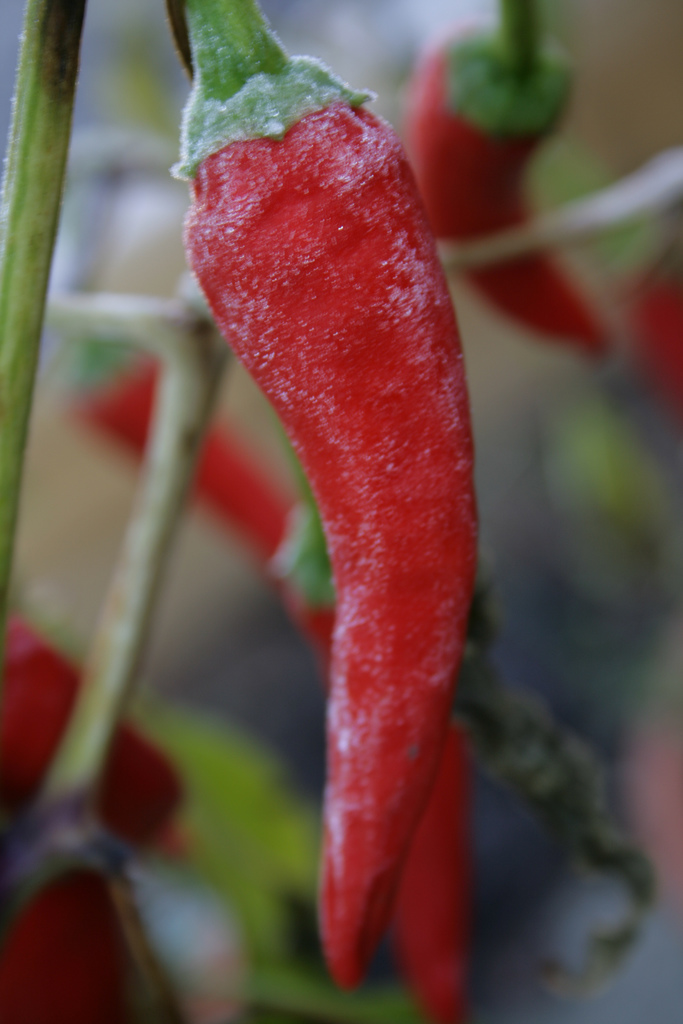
x=139 y=790
x=63 y=961
x=472 y=184
x=432 y=922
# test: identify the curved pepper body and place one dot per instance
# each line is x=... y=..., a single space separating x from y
x=434 y=906
x=472 y=186
x=64 y=961
x=39 y=690
x=140 y=788
x=316 y=259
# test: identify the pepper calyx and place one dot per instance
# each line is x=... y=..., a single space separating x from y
x=266 y=106
x=488 y=92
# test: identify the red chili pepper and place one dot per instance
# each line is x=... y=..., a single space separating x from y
x=656 y=317
x=472 y=183
x=318 y=265
x=63 y=961
x=140 y=788
x=433 y=911
x=432 y=933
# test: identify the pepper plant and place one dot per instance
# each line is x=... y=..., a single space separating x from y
x=309 y=240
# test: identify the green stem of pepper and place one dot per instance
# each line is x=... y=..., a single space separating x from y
x=244 y=84
x=193 y=355
x=230 y=41
x=519 y=35
x=29 y=214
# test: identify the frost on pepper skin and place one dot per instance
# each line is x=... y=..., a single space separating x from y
x=317 y=262
x=472 y=184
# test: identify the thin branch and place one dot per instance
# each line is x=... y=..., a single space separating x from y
x=193 y=355
x=561 y=781
x=29 y=214
x=653 y=188
x=519 y=34
x=159 y=326
x=158 y=990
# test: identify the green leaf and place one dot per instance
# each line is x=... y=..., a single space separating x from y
x=599 y=465
x=309 y=998
x=251 y=838
x=612 y=491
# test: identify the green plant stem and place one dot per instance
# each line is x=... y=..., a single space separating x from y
x=244 y=85
x=193 y=355
x=230 y=41
x=29 y=214
x=519 y=34
x=161 y=1002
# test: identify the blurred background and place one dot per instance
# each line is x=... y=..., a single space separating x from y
x=579 y=471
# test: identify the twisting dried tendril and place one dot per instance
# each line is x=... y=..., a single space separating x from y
x=560 y=779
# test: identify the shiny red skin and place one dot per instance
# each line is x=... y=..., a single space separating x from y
x=317 y=262
x=472 y=185
x=140 y=789
x=656 y=320
x=432 y=924
x=64 y=961
x=228 y=480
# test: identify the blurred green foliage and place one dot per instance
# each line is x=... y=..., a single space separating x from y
x=255 y=843
x=314 y=1000
x=250 y=837
x=604 y=479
